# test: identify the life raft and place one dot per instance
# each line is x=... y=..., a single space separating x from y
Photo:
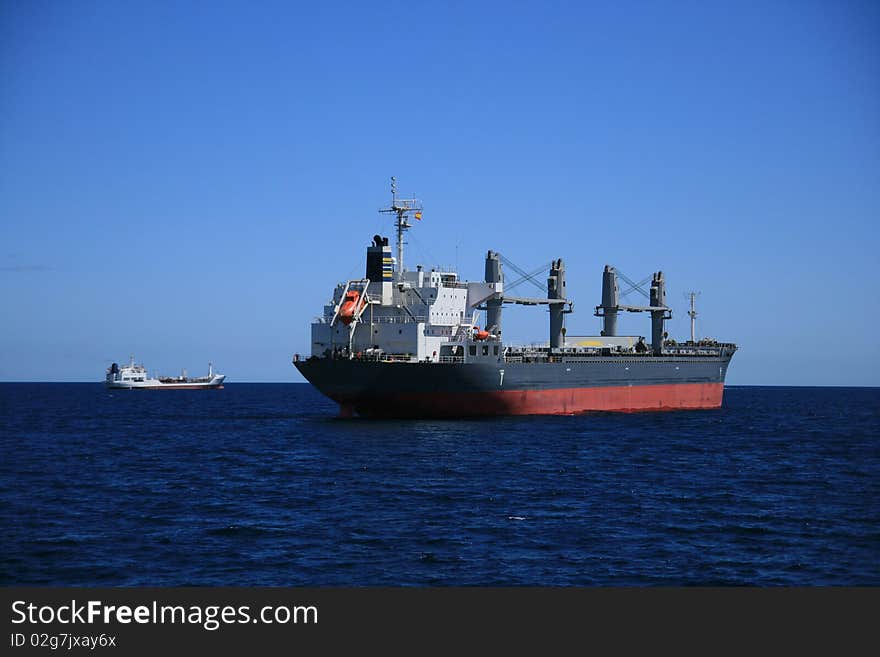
x=480 y=335
x=350 y=306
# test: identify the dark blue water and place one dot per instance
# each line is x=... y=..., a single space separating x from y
x=260 y=485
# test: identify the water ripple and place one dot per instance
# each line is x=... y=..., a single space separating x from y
x=262 y=485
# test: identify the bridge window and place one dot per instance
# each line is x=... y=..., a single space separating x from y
x=495 y=350
x=472 y=350
x=485 y=350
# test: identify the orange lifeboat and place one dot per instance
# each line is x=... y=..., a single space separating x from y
x=349 y=306
x=480 y=335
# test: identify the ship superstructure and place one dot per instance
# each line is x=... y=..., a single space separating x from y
x=401 y=342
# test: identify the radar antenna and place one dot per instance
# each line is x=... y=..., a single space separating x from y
x=402 y=208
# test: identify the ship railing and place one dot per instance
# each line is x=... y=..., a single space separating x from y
x=381 y=319
x=397 y=319
x=691 y=351
x=451 y=359
x=529 y=357
x=397 y=358
x=519 y=355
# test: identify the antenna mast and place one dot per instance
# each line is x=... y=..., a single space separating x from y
x=692 y=313
x=401 y=208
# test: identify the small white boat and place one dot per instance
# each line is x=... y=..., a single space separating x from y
x=133 y=376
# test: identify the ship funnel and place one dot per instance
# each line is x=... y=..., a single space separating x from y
x=380 y=269
x=379 y=260
x=658 y=301
x=494 y=274
x=556 y=290
x=610 y=301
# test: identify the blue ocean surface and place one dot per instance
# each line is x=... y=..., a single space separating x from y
x=260 y=484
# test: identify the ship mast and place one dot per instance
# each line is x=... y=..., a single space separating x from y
x=692 y=313
x=401 y=208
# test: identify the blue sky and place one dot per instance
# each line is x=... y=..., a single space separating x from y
x=187 y=181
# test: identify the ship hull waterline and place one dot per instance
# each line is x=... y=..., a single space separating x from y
x=169 y=386
x=372 y=389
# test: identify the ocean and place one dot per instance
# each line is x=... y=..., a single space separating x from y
x=261 y=485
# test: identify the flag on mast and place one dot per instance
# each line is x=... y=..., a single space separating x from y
x=419 y=216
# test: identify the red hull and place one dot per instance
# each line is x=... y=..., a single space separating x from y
x=560 y=401
x=171 y=386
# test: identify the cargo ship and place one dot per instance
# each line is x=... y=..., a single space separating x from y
x=407 y=343
x=135 y=377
